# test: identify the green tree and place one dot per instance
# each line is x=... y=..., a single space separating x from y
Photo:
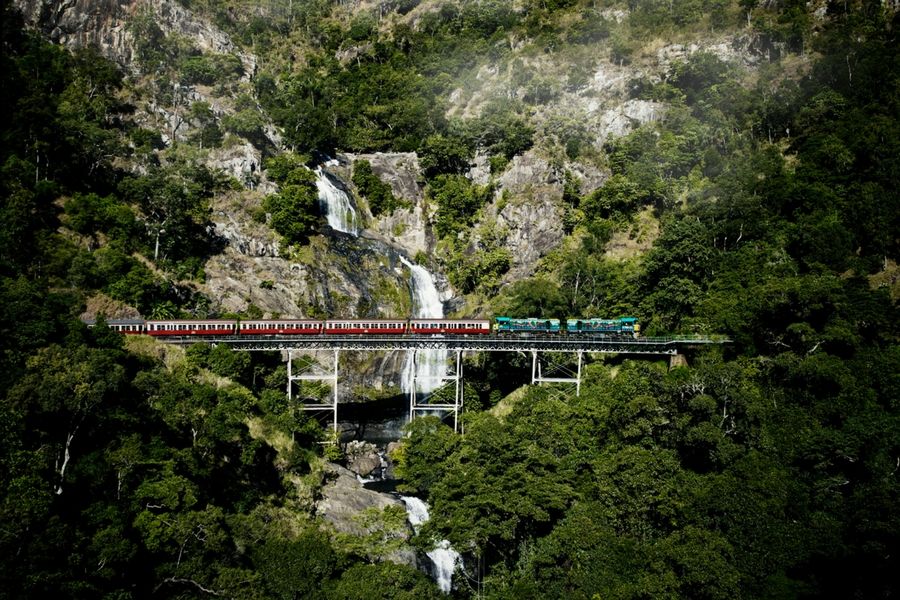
x=379 y=194
x=420 y=458
x=296 y=568
x=383 y=581
x=294 y=211
x=71 y=386
x=441 y=154
x=458 y=202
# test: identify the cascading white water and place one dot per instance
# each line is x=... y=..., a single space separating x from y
x=336 y=204
x=430 y=365
x=443 y=557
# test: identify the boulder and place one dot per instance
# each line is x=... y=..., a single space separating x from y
x=344 y=498
x=363 y=458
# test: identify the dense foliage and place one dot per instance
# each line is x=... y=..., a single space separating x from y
x=765 y=469
x=126 y=472
x=379 y=195
x=294 y=208
x=769 y=470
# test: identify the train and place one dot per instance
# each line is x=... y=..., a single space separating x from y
x=622 y=326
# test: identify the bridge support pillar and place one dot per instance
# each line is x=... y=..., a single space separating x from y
x=314 y=372
x=574 y=377
x=448 y=382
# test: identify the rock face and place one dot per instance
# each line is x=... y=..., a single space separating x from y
x=343 y=282
x=102 y=24
x=363 y=458
x=344 y=498
x=621 y=120
x=96 y=23
x=405 y=228
x=532 y=216
x=244 y=163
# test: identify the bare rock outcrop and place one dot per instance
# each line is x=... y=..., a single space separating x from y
x=102 y=24
x=406 y=228
x=344 y=499
x=532 y=217
x=624 y=118
x=362 y=458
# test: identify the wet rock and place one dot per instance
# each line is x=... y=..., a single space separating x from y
x=389 y=467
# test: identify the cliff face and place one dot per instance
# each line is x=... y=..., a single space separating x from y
x=79 y=24
x=346 y=276
x=103 y=24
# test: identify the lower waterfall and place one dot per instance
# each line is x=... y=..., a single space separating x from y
x=443 y=558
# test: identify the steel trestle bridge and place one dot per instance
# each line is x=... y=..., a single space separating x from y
x=455 y=345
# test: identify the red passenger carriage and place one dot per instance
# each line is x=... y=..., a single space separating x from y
x=450 y=326
x=178 y=327
x=365 y=326
x=280 y=327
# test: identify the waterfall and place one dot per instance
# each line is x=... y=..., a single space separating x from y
x=430 y=365
x=442 y=556
x=336 y=204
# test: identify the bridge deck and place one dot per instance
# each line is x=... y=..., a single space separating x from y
x=492 y=343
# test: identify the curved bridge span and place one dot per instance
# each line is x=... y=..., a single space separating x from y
x=450 y=384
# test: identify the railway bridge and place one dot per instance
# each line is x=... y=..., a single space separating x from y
x=452 y=379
